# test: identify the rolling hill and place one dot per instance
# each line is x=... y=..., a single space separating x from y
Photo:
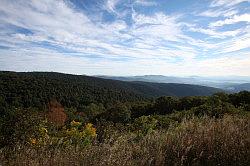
x=228 y=83
x=37 y=88
x=239 y=87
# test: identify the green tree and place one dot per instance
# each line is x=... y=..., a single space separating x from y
x=117 y=113
x=239 y=99
x=93 y=110
x=165 y=105
x=145 y=124
x=189 y=102
x=222 y=96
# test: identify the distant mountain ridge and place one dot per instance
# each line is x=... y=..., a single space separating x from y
x=239 y=87
x=227 y=83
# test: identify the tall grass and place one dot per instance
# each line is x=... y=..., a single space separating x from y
x=197 y=141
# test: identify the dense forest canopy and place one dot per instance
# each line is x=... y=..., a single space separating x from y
x=36 y=89
x=88 y=98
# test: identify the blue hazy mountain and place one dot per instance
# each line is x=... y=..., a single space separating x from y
x=231 y=83
x=238 y=87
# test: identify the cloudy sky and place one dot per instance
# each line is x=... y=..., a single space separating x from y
x=126 y=37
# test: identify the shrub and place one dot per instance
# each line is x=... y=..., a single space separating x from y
x=144 y=124
x=77 y=135
x=19 y=126
x=165 y=105
x=118 y=113
x=164 y=121
x=197 y=141
x=215 y=110
x=56 y=113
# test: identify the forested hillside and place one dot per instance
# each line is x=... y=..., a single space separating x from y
x=210 y=130
x=38 y=88
x=232 y=84
x=172 y=89
x=239 y=87
x=61 y=119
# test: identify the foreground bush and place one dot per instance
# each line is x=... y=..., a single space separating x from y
x=198 y=141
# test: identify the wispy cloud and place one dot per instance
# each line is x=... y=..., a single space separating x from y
x=216 y=3
x=121 y=38
x=157 y=27
x=218 y=13
x=215 y=34
x=232 y=20
x=111 y=5
x=146 y=2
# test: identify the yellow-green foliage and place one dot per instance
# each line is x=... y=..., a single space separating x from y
x=145 y=124
x=197 y=141
x=41 y=137
x=76 y=134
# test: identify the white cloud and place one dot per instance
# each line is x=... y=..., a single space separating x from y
x=232 y=20
x=145 y=2
x=236 y=44
x=215 y=34
x=111 y=5
x=46 y=60
x=216 y=3
x=231 y=65
x=218 y=13
x=158 y=26
x=153 y=44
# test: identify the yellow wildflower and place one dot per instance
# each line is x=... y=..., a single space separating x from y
x=90 y=130
x=75 y=124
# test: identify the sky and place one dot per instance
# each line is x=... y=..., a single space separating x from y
x=126 y=37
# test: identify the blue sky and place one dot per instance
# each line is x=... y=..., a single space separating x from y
x=126 y=37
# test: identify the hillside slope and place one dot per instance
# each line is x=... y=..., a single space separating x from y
x=37 y=88
x=173 y=89
x=227 y=83
x=239 y=87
